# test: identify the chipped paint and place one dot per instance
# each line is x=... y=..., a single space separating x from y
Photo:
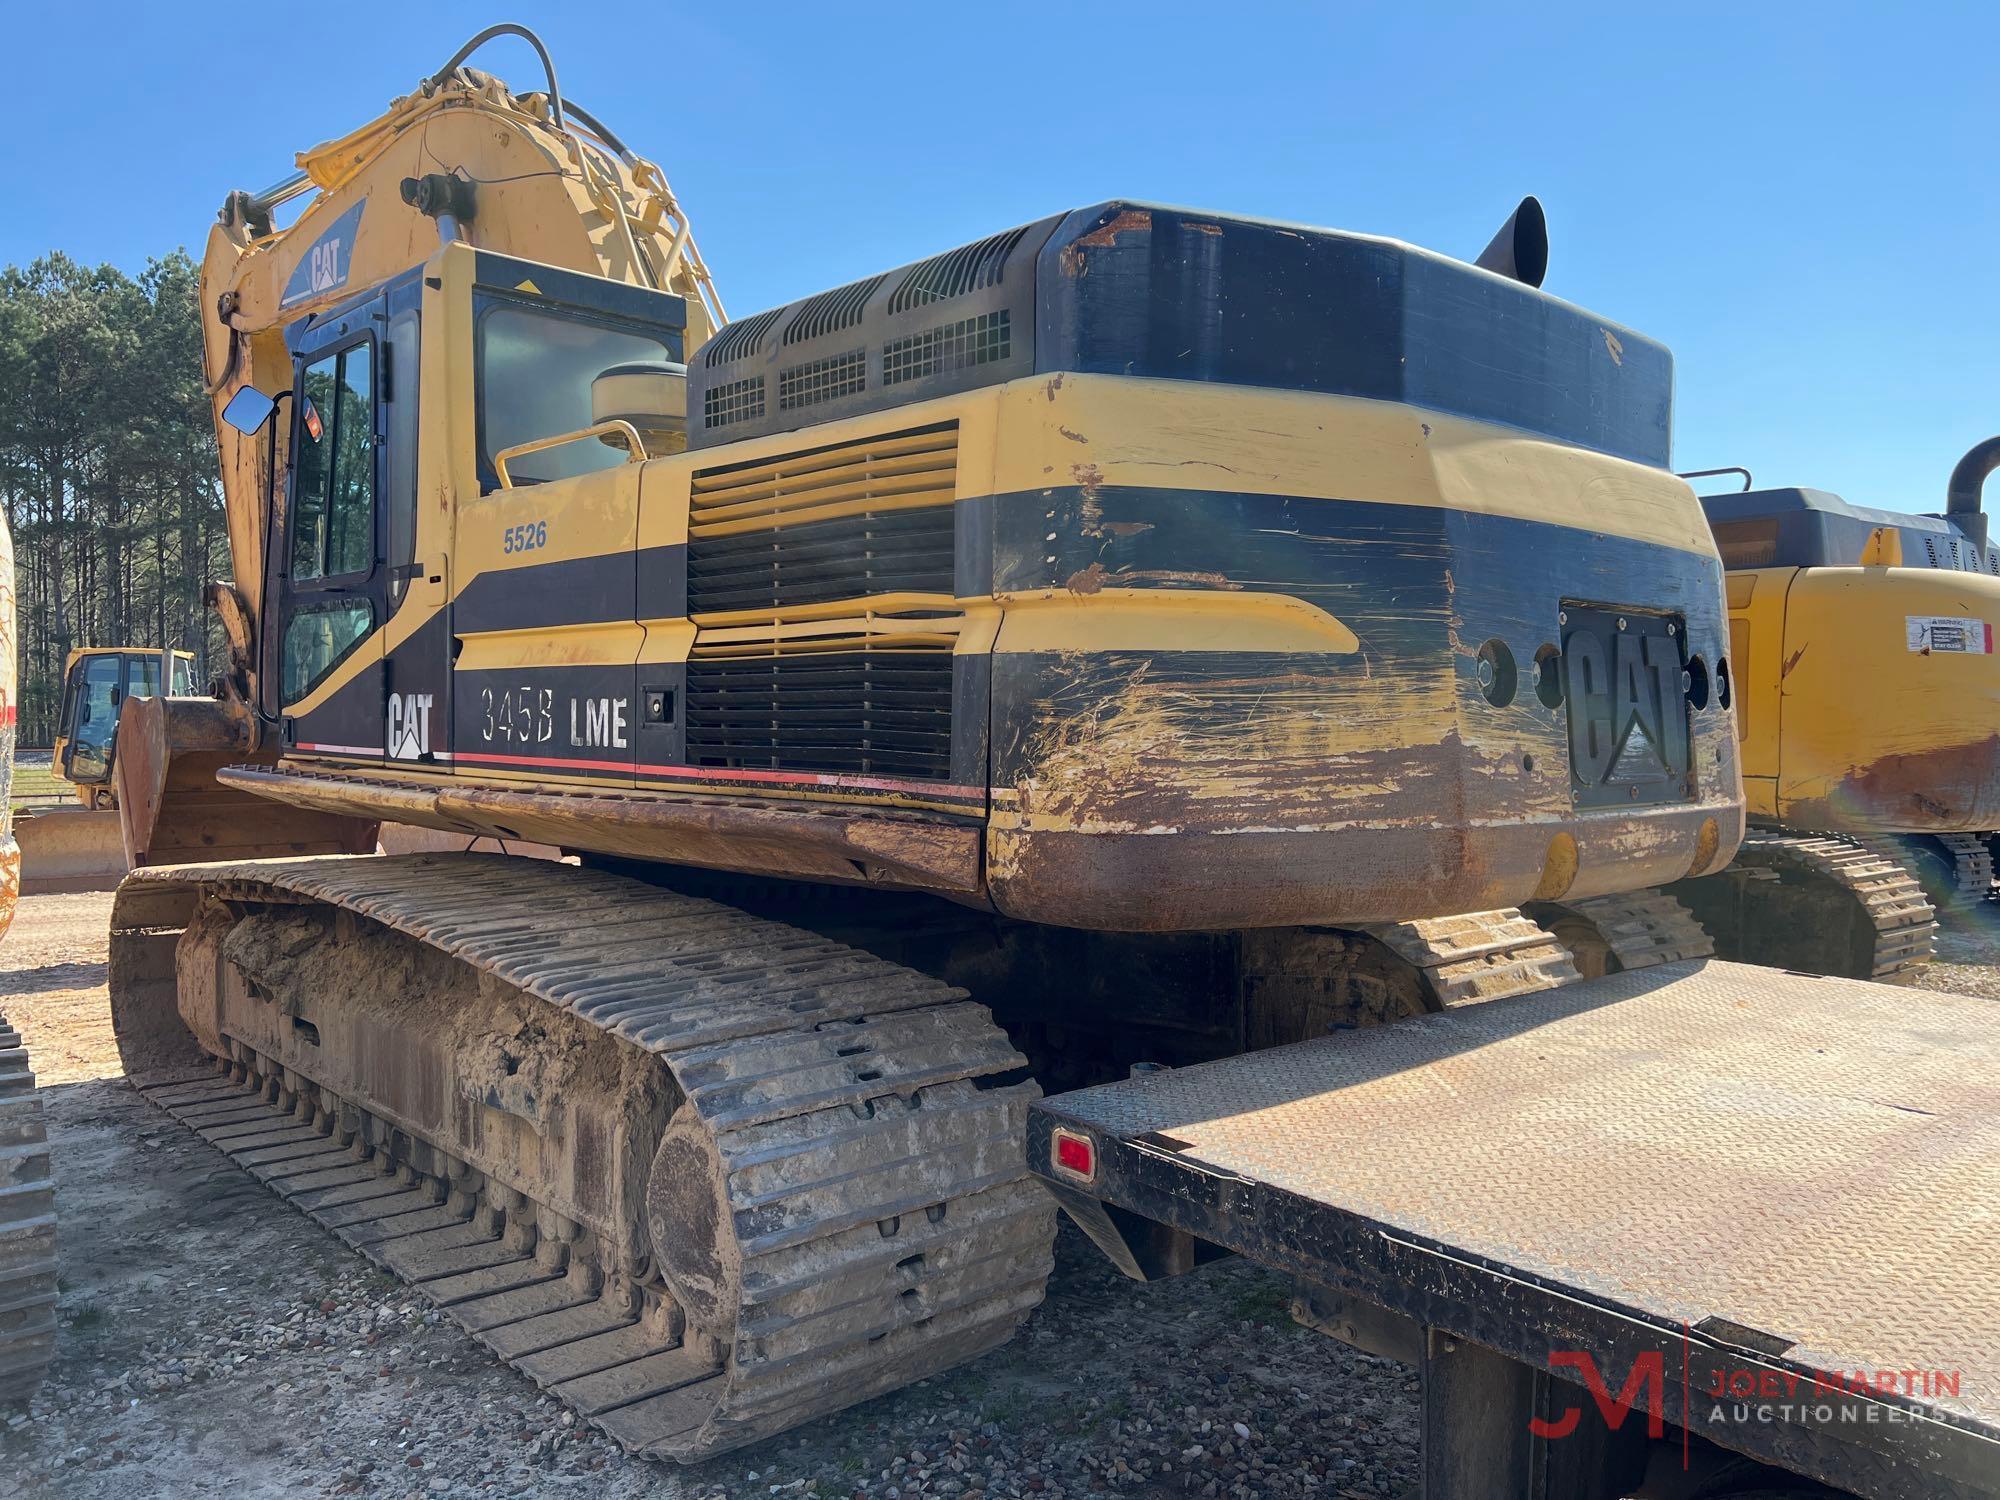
x=1613 y=346
x=1131 y=221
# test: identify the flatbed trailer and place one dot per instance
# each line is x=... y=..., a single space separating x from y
x=1613 y=1224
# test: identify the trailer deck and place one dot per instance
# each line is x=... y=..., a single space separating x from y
x=1697 y=1178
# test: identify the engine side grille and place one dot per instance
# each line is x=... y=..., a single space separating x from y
x=822 y=587
x=823 y=380
x=969 y=268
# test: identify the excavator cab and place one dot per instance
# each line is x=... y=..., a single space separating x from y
x=96 y=682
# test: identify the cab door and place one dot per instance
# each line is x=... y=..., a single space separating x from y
x=326 y=558
x=90 y=719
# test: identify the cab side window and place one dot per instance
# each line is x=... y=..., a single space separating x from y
x=333 y=494
x=535 y=371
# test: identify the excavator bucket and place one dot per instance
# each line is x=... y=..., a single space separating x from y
x=173 y=810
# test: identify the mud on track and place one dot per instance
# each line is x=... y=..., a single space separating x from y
x=214 y=1341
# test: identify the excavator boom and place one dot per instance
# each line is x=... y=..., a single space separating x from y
x=530 y=175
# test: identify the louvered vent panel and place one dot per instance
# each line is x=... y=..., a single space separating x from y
x=969 y=268
x=738 y=339
x=832 y=311
x=822 y=587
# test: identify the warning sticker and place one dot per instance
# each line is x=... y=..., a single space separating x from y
x=1928 y=633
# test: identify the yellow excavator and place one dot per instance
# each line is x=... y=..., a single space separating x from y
x=79 y=845
x=1868 y=701
x=96 y=680
x=1135 y=635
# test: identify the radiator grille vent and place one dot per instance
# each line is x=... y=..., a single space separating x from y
x=823 y=379
x=832 y=311
x=953 y=346
x=739 y=339
x=821 y=585
x=859 y=712
x=969 y=268
x=737 y=401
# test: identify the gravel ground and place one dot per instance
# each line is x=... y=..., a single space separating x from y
x=214 y=1341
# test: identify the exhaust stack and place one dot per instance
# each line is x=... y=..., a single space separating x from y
x=1521 y=248
x=1968 y=479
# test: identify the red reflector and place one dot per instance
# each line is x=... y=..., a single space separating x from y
x=1074 y=1154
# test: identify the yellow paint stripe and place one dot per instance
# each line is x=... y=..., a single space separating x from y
x=867 y=605
x=1168 y=620
x=793 y=646
x=615 y=644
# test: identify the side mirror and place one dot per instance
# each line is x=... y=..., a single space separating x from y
x=248 y=410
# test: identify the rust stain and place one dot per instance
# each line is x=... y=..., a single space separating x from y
x=1090 y=516
x=1215 y=229
x=1086 y=581
x=1792 y=661
x=1170 y=575
x=1133 y=220
x=1072 y=262
x=1946 y=789
x=1134 y=749
x=1074 y=437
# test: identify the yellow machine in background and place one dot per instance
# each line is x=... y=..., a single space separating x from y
x=96 y=682
x=1867 y=697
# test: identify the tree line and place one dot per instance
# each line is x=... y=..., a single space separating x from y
x=108 y=470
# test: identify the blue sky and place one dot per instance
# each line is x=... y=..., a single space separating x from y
x=1798 y=199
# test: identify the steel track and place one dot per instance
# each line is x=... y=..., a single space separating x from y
x=879 y=1223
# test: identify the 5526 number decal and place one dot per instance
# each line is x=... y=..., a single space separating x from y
x=526 y=537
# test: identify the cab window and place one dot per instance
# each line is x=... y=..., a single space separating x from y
x=333 y=485
x=142 y=676
x=96 y=722
x=318 y=638
x=535 y=371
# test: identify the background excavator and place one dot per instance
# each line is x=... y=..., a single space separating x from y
x=1868 y=701
x=1137 y=635
x=70 y=846
x=96 y=681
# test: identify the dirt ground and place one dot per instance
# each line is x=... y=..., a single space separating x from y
x=214 y=1341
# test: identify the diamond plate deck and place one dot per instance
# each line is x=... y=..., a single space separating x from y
x=1801 y=1172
